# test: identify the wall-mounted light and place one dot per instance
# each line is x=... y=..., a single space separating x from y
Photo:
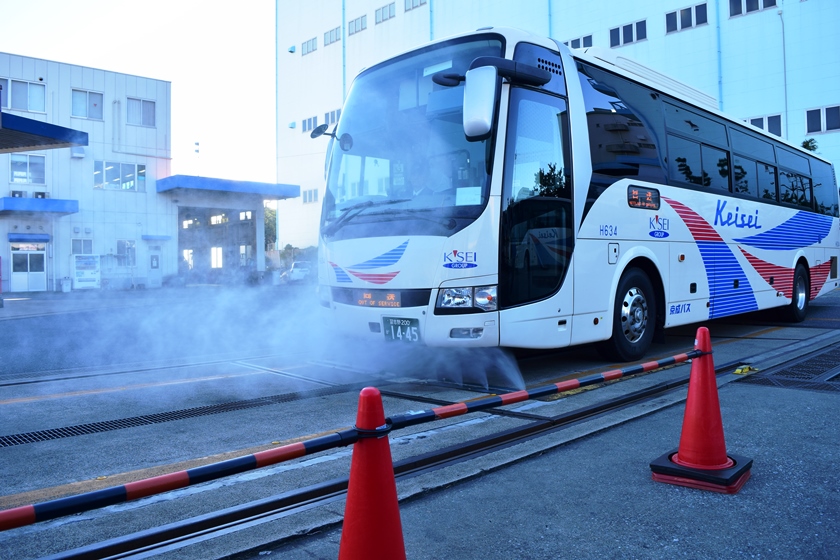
x=87 y=230
x=76 y=229
x=292 y=49
x=293 y=124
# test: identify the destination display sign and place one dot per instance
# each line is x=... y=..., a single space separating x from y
x=378 y=298
x=642 y=197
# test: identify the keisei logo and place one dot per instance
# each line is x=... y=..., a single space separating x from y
x=460 y=259
x=659 y=227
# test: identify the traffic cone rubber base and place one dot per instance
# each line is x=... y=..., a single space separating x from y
x=726 y=481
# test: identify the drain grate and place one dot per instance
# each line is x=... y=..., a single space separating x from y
x=816 y=372
x=161 y=417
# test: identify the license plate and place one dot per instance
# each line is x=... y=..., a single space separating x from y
x=404 y=330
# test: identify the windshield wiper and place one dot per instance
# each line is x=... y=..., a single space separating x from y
x=354 y=210
x=417 y=214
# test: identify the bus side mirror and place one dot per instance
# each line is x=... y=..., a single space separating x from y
x=481 y=96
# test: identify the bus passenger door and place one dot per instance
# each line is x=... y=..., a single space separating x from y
x=537 y=226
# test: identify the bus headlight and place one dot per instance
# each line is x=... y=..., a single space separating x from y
x=481 y=298
x=450 y=298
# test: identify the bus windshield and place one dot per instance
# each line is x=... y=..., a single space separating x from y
x=400 y=163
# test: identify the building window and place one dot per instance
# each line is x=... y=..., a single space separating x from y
x=309 y=124
x=386 y=12
x=357 y=25
x=87 y=104
x=246 y=215
x=738 y=7
x=309 y=46
x=27 y=96
x=218 y=219
x=215 y=257
x=630 y=33
x=772 y=124
x=140 y=112
x=332 y=36
x=119 y=176
x=332 y=117
x=28 y=169
x=81 y=246
x=310 y=196
x=4 y=93
x=126 y=253
x=823 y=120
x=581 y=42
x=686 y=18
x=411 y=4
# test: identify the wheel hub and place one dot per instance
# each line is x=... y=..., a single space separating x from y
x=634 y=314
x=799 y=293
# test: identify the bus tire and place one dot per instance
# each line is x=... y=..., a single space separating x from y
x=796 y=310
x=634 y=318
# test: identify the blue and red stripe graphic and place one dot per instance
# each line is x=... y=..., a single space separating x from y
x=802 y=230
x=387 y=259
x=730 y=291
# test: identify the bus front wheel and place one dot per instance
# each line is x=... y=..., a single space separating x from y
x=796 y=310
x=634 y=318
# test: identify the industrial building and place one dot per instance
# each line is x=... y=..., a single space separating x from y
x=772 y=63
x=87 y=199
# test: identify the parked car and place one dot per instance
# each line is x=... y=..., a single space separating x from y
x=300 y=272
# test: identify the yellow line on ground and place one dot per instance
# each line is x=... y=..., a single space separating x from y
x=123 y=388
x=119 y=479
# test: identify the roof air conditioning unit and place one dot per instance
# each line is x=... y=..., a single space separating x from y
x=18 y=194
x=40 y=194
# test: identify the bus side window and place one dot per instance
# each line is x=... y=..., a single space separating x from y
x=626 y=138
x=716 y=168
x=825 y=189
x=767 y=182
x=685 y=161
x=794 y=189
x=744 y=176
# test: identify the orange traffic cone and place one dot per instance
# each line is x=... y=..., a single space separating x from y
x=372 y=527
x=701 y=460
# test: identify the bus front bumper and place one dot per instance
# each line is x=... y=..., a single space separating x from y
x=417 y=325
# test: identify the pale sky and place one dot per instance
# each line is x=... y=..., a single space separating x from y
x=218 y=55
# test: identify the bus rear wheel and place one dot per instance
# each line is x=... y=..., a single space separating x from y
x=634 y=318
x=796 y=310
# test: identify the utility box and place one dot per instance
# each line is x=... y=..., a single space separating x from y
x=66 y=284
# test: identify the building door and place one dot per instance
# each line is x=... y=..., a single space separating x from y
x=29 y=270
x=155 y=271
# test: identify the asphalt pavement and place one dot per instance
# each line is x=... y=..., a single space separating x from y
x=594 y=498
x=586 y=491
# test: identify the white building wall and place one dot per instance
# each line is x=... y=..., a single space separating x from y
x=104 y=216
x=756 y=64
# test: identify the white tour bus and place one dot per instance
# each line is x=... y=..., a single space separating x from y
x=499 y=189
